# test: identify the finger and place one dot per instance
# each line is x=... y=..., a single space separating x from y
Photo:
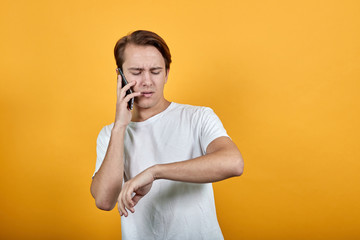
x=128 y=86
x=128 y=202
x=125 y=205
x=136 y=199
x=119 y=80
x=118 y=87
x=119 y=210
x=132 y=95
x=122 y=208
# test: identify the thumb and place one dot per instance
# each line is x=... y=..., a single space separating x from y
x=136 y=199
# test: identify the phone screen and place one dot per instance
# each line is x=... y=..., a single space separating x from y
x=124 y=82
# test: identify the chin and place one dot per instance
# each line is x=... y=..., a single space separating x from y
x=145 y=104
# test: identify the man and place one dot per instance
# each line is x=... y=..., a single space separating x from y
x=158 y=161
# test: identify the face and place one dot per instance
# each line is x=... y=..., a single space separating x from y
x=146 y=66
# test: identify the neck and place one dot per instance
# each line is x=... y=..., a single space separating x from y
x=142 y=114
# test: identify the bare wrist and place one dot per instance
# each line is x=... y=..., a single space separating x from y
x=155 y=171
x=118 y=128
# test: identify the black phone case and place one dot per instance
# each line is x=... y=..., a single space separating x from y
x=124 y=82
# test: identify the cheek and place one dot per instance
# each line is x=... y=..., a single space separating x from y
x=134 y=78
x=160 y=80
x=131 y=78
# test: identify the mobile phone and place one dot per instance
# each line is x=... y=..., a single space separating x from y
x=124 y=82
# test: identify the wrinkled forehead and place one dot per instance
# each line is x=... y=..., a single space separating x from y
x=142 y=57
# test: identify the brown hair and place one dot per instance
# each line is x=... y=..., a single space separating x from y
x=142 y=38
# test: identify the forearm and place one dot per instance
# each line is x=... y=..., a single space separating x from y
x=211 y=167
x=223 y=160
x=107 y=182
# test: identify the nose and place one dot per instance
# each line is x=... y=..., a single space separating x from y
x=146 y=79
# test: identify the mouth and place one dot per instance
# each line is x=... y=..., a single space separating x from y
x=147 y=94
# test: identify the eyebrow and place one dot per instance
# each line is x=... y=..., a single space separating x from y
x=141 y=69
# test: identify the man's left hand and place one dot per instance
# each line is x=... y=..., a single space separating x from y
x=140 y=185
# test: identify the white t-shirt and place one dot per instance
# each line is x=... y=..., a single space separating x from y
x=172 y=209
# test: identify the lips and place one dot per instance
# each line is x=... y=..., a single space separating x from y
x=147 y=94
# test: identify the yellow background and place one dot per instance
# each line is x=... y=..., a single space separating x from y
x=283 y=76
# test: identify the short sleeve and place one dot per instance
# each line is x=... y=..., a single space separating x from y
x=102 y=144
x=211 y=128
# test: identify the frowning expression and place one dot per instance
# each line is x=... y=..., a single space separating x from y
x=146 y=66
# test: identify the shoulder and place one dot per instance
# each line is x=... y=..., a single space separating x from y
x=105 y=133
x=196 y=116
x=191 y=109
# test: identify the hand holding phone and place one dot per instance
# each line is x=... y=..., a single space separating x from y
x=124 y=82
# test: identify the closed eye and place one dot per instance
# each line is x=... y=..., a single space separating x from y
x=136 y=73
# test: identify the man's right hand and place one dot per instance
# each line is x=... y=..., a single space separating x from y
x=123 y=114
x=107 y=182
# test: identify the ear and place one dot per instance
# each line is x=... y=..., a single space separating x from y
x=167 y=75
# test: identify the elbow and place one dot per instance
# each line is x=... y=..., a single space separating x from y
x=238 y=167
x=103 y=205
x=101 y=201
